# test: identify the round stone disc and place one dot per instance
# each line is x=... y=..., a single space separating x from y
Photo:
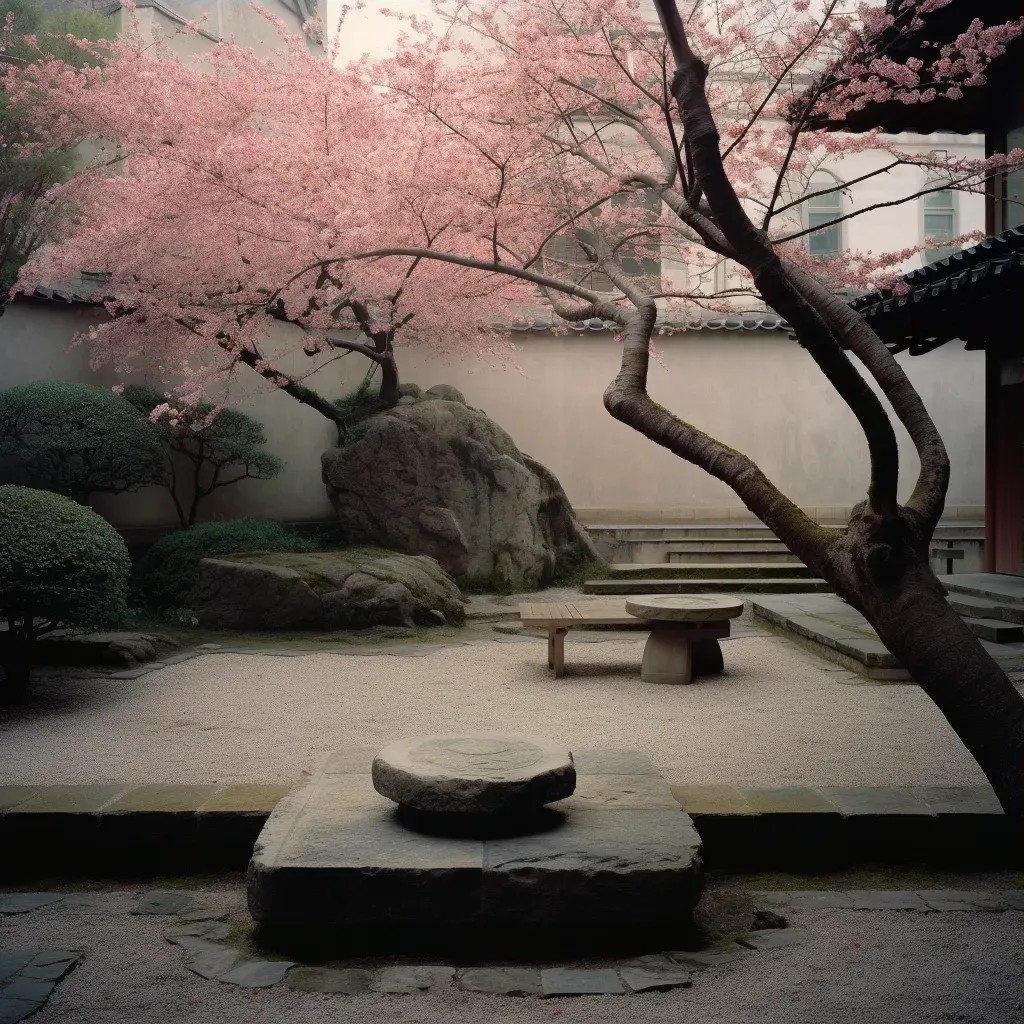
x=474 y=773
x=685 y=608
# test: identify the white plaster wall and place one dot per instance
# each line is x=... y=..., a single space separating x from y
x=757 y=391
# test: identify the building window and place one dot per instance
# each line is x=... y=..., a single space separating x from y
x=939 y=223
x=821 y=210
x=565 y=258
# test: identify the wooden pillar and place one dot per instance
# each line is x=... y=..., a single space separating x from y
x=1004 y=485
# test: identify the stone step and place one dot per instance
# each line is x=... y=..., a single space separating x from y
x=709 y=553
x=681 y=532
x=998 y=587
x=984 y=608
x=707 y=586
x=710 y=570
x=766 y=543
x=738 y=531
x=995 y=630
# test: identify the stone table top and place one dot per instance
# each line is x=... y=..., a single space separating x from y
x=685 y=608
x=475 y=773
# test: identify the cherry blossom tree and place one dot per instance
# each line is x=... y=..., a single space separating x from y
x=555 y=150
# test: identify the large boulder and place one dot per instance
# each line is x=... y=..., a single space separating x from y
x=434 y=476
x=345 y=589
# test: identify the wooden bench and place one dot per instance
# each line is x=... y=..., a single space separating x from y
x=558 y=619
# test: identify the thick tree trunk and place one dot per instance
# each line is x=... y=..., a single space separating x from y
x=389 y=380
x=881 y=565
x=881 y=568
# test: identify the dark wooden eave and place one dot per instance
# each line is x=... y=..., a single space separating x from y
x=975 y=295
x=970 y=114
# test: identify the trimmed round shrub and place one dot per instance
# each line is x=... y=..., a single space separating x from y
x=167 y=572
x=76 y=439
x=61 y=566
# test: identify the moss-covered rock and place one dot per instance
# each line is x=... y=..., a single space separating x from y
x=350 y=588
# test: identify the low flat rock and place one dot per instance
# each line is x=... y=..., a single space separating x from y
x=349 y=588
x=474 y=773
x=123 y=649
x=688 y=608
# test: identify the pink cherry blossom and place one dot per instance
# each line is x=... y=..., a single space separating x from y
x=418 y=199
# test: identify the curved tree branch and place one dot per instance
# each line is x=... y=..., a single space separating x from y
x=626 y=398
x=929 y=495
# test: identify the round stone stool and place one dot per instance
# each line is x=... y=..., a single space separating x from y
x=474 y=773
x=684 y=630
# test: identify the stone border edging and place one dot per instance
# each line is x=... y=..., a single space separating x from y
x=105 y=829
x=29 y=976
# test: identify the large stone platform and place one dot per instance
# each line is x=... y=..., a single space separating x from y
x=612 y=866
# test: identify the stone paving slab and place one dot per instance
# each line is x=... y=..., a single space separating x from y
x=257 y=973
x=827 y=625
x=217 y=826
x=25 y=902
x=921 y=900
x=501 y=981
x=347 y=981
x=69 y=800
x=28 y=978
x=771 y=938
x=12 y=796
x=569 y=981
x=716 y=957
x=406 y=980
x=750 y=829
x=14 y=1010
x=654 y=974
x=162 y=799
x=160 y=902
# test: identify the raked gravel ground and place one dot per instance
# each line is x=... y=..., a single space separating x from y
x=778 y=716
x=874 y=967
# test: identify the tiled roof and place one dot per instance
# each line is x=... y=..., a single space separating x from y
x=74 y=291
x=971 y=295
x=78 y=291
x=546 y=321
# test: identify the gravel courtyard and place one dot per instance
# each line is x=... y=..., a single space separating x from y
x=853 y=967
x=778 y=716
